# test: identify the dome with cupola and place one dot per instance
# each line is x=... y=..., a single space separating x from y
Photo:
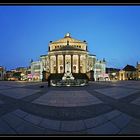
x=66 y=41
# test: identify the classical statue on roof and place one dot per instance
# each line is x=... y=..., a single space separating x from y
x=67 y=35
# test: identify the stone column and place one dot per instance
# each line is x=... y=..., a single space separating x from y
x=79 y=63
x=49 y=64
x=86 y=63
x=56 y=63
x=41 y=69
x=64 y=62
x=71 y=63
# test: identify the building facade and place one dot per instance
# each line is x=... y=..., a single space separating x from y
x=36 y=71
x=66 y=56
x=2 y=73
x=138 y=70
x=100 y=70
x=128 y=73
x=113 y=73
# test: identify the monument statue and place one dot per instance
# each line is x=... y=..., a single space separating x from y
x=67 y=67
x=68 y=74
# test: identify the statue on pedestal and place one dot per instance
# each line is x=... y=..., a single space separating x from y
x=68 y=74
x=67 y=67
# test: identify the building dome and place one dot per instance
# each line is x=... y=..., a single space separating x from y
x=67 y=38
x=68 y=43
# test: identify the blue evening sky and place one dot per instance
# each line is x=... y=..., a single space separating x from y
x=112 y=32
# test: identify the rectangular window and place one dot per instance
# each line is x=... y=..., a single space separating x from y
x=36 y=67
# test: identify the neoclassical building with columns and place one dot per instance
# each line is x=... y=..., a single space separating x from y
x=66 y=57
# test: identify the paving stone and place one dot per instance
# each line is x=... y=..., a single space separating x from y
x=107 y=128
x=113 y=122
x=4 y=87
x=133 y=85
x=28 y=128
x=133 y=127
x=20 y=113
x=72 y=133
x=72 y=125
x=1 y=102
x=93 y=122
x=117 y=92
x=122 y=120
x=72 y=105
x=112 y=114
x=52 y=132
x=67 y=98
x=18 y=93
x=137 y=101
x=12 y=120
x=50 y=124
x=33 y=119
x=5 y=128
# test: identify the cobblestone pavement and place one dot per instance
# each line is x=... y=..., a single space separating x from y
x=101 y=108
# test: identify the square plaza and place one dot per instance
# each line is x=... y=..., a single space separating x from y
x=100 y=108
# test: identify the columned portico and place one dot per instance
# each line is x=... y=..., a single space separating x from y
x=76 y=63
x=63 y=63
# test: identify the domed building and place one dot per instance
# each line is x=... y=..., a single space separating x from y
x=67 y=58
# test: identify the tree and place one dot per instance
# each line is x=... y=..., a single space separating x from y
x=17 y=75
